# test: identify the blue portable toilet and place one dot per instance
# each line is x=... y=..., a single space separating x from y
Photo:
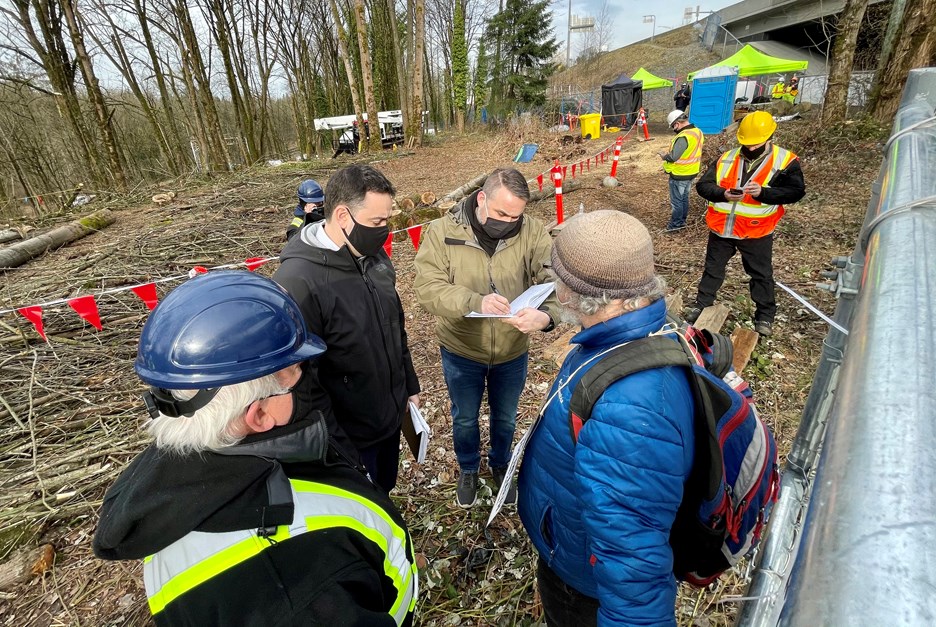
x=713 y=94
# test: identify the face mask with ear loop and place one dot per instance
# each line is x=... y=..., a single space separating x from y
x=367 y=240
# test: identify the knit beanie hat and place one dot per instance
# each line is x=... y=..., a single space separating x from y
x=605 y=252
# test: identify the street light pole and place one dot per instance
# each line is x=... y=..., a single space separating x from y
x=651 y=19
x=568 y=34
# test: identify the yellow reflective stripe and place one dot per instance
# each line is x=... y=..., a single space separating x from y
x=311 y=487
x=297 y=221
x=401 y=581
x=320 y=488
x=694 y=149
x=219 y=562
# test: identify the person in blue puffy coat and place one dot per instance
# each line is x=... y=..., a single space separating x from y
x=599 y=512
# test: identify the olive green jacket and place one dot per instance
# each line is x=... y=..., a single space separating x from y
x=453 y=274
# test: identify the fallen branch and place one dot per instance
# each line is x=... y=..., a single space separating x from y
x=464 y=190
x=18 y=254
x=549 y=191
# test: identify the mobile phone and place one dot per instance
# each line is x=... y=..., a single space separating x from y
x=736 y=190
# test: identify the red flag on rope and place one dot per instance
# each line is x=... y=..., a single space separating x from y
x=147 y=294
x=588 y=164
x=414 y=233
x=253 y=263
x=539 y=181
x=86 y=307
x=573 y=170
x=34 y=315
x=196 y=271
x=565 y=172
x=388 y=245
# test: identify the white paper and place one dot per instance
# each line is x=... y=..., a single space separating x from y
x=533 y=297
x=422 y=430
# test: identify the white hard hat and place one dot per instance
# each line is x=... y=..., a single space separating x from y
x=674 y=115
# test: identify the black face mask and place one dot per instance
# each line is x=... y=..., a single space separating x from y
x=367 y=240
x=500 y=229
x=747 y=153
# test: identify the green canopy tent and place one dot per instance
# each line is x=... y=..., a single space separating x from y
x=752 y=62
x=650 y=81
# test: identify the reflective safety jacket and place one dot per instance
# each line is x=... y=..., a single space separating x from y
x=689 y=162
x=241 y=538
x=777 y=90
x=750 y=217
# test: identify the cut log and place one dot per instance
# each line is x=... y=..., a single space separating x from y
x=549 y=190
x=397 y=222
x=407 y=204
x=744 y=342
x=467 y=188
x=18 y=254
x=712 y=318
x=423 y=215
x=446 y=205
x=427 y=198
x=558 y=349
x=24 y=564
x=8 y=235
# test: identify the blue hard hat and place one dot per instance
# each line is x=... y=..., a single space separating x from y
x=223 y=328
x=310 y=191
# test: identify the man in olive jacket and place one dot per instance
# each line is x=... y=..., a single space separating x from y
x=479 y=257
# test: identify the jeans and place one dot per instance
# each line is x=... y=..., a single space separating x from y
x=466 y=380
x=679 y=201
x=563 y=605
x=757 y=260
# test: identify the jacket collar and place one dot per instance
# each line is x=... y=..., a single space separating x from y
x=632 y=325
x=302 y=441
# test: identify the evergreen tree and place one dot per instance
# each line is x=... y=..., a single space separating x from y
x=520 y=77
x=459 y=65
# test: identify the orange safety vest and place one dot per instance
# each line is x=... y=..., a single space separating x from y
x=748 y=217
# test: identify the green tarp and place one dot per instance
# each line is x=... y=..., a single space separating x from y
x=650 y=81
x=752 y=62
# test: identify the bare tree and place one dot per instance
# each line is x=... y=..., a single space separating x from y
x=835 y=105
x=414 y=133
x=367 y=79
x=915 y=48
x=343 y=46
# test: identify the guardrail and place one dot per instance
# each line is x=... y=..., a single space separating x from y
x=866 y=552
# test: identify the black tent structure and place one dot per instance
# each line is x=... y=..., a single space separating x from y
x=620 y=101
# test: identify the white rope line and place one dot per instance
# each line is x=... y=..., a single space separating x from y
x=835 y=325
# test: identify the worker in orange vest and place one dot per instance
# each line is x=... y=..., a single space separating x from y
x=747 y=188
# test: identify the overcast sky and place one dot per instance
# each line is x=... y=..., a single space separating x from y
x=626 y=16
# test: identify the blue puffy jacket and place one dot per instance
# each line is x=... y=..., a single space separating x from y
x=600 y=512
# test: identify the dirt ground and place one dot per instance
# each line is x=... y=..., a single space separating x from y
x=71 y=413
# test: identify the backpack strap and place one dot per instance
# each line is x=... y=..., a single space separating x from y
x=710 y=403
x=643 y=354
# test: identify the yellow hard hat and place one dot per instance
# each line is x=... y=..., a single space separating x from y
x=756 y=128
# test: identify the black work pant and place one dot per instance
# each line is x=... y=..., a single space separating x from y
x=757 y=259
x=563 y=605
x=382 y=461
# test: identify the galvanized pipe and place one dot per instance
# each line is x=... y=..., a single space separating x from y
x=868 y=555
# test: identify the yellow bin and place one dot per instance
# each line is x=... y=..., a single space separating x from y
x=591 y=125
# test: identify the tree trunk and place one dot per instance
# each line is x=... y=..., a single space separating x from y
x=367 y=79
x=93 y=88
x=414 y=134
x=398 y=61
x=180 y=149
x=349 y=71
x=18 y=254
x=915 y=48
x=459 y=66
x=835 y=105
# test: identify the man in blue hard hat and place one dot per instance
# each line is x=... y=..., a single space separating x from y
x=311 y=207
x=242 y=510
x=344 y=282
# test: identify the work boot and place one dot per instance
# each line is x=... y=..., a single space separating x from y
x=499 y=474
x=763 y=327
x=467 y=492
x=692 y=314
